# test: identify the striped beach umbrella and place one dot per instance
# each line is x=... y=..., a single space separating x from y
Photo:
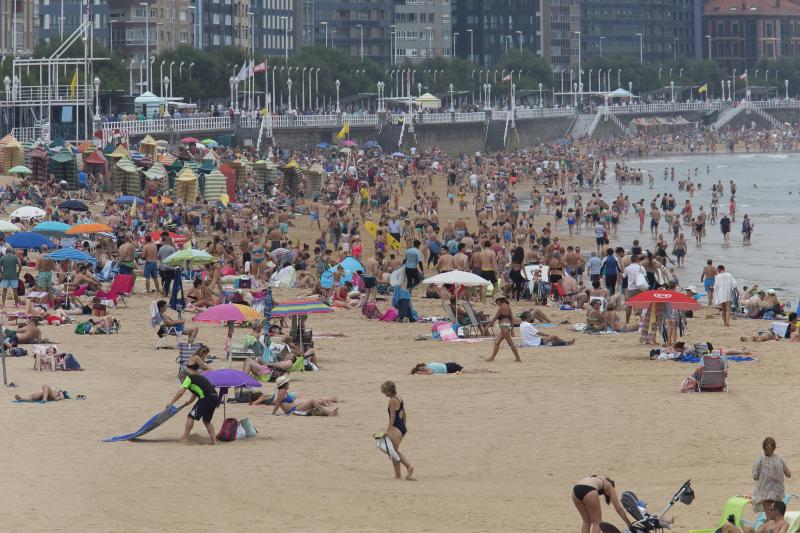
x=300 y=307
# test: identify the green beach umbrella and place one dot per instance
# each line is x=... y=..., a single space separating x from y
x=20 y=169
x=191 y=256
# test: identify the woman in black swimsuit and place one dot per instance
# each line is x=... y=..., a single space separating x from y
x=397 y=427
x=586 y=497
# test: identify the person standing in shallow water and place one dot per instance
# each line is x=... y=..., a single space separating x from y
x=397 y=428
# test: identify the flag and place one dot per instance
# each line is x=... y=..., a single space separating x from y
x=242 y=73
x=703 y=88
x=261 y=67
x=344 y=131
x=73 y=85
x=507 y=77
x=743 y=76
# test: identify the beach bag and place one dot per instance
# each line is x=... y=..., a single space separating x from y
x=246 y=396
x=249 y=428
x=83 y=328
x=227 y=433
x=390 y=315
x=240 y=433
x=71 y=363
x=689 y=385
x=371 y=311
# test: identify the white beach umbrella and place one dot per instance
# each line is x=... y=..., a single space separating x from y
x=456 y=277
x=28 y=212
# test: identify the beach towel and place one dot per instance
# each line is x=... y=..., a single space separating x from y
x=150 y=425
x=385 y=445
x=443 y=331
x=693 y=359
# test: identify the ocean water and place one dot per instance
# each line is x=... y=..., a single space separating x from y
x=772 y=259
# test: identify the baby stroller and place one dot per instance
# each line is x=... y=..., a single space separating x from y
x=644 y=521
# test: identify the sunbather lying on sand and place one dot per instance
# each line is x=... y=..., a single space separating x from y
x=48 y=394
x=431 y=368
x=770 y=335
x=290 y=404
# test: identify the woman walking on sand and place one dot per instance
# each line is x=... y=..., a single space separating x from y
x=768 y=473
x=397 y=428
x=505 y=320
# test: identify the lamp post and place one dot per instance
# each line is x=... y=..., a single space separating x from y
x=172 y=63
x=766 y=74
x=541 y=102
x=180 y=69
x=672 y=91
x=599 y=79
x=733 y=78
x=142 y=85
x=325 y=25
x=361 y=31
x=630 y=87
x=161 y=78
x=590 y=79
x=147 y=39
x=303 y=87
x=97 y=99
x=190 y=70
x=273 y=89
x=580 y=83
x=675 y=49
x=729 y=90
x=670 y=71
x=722 y=82
x=786 y=86
x=165 y=81
x=601 y=45
x=619 y=73
x=519 y=34
x=451 y=98
x=419 y=89
x=381 y=86
x=680 y=73
x=471 y=45
x=289 y=85
x=708 y=37
x=455 y=34
x=641 y=48
x=338 y=110
x=231 y=82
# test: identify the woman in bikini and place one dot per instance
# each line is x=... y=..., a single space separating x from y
x=397 y=428
x=586 y=497
x=289 y=403
x=505 y=320
x=613 y=321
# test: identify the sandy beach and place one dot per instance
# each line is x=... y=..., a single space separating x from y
x=492 y=452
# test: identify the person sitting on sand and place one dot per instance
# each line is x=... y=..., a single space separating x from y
x=537 y=313
x=594 y=317
x=432 y=368
x=776 y=523
x=290 y=404
x=771 y=335
x=45 y=357
x=586 y=498
x=199 y=295
x=614 y=322
x=82 y=277
x=47 y=394
x=532 y=337
x=180 y=325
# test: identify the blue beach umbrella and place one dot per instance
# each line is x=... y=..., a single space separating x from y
x=51 y=228
x=127 y=200
x=29 y=241
x=71 y=254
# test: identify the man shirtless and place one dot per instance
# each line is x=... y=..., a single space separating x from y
x=372 y=271
x=460 y=260
x=707 y=277
x=125 y=255
x=150 y=257
x=488 y=260
x=775 y=523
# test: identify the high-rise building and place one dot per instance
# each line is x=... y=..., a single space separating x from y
x=275 y=22
x=19 y=20
x=422 y=29
x=561 y=33
x=488 y=28
x=167 y=26
x=360 y=28
x=58 y=19
x=742 y=33
x=656 y=30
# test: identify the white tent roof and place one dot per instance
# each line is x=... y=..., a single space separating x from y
x=620 y=93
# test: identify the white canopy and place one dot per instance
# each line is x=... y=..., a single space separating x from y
x=620 y=93
x=456 y=277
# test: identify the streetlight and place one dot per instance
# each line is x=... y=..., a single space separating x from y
x=601 y=45
x=165 y=81
x=619 y=73
x=599 y=79
x=180 y=69
x=338 y=110
x=672 y=91
x=471 y=46
x=97 y=98
x=231 y=82
x=190 y=70
x=380 y=86
x=729 y=89
x=709 y=46
x=286 y=39
x=580 y=83
x=161 y=77
x=170 y=76
x=147 y=39
x=786 y=85
x=325 y=25
x=289 y=85
x=519 y=33
x=630 y=87
x=590 y=79
x=541 y=102
x=455 y=34
x=303 y=86
x=641 y=48
x=419 y=89
x=452 y=109
x=361 y=31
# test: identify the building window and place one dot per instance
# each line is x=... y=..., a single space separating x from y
x=139 y=12
x=445 y=19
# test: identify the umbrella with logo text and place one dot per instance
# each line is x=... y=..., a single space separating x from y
x=678 y=300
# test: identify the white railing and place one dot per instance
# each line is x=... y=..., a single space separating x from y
x=45 y=93
x=27 y=134
x=200 y=124
x=136 y=127
x=470 y=117
x=664 y=107
x=250 y=122
x=360 y=120
x=436 y=118
x=774 y=104
x=499 y=115
x=766 y=116
x=539 y=112
x=726 y=116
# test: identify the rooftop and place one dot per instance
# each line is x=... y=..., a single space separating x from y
x=751 y=7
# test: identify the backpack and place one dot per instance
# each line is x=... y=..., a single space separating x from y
x=227 y=433
x=71 y=362
x=83 y=328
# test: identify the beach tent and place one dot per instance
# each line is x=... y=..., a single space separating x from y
x=212 y=157
x=126 y=177
x=96 y=162
x=156 y=179
x=230 y=179
x=215 y=184
x=350 y=265
x=39 y=163
x=186 y=186
x=148 y=147
x=166 y=159
x=117 y=175
x=314 y=179
x=429 y=101
x=3 y=143
x=62 y=166
x=13 y=154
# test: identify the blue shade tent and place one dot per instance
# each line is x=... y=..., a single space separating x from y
x=349 y=264
x=71 y=254
x=127 y=199
x=29 y=240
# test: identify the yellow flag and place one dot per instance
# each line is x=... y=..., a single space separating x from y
x=73 y=85
x=344 y=131
x=703 y=89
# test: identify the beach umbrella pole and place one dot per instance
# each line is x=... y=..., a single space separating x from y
x=3 y=356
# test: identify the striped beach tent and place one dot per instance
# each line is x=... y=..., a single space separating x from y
x=300 y=307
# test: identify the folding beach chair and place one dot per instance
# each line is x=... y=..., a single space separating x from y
x=600 y=299
x=162 y=331
x=713 y=377
x=733 y=506
x=185 y=352
x=121 y=287
x=474 y=323
x=451 y=316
